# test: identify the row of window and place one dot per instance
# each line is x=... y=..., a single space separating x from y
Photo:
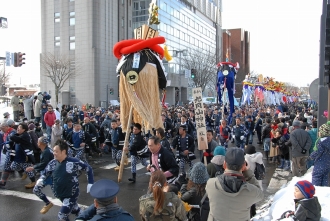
x=72 y=42
x=72 y=45
x=72 y=20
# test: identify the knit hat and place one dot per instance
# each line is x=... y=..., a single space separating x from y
x=10 y=122
x=235 y=156
x=250 y=149
x=6 y=114
x=219 y=150
x=325 y=130
x=198 y=174
x=306 y=188
x=296 y=123
x=31 y=126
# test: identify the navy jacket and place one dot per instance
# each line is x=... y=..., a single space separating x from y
x=114 y=215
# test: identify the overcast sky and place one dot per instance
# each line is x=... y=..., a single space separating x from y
x=284 y=36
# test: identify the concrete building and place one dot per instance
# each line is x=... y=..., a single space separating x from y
x=239 y=48
x=186 y=25
x=85 y=31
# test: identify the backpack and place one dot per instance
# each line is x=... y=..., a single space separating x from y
x=204 y=207
x=259 y=171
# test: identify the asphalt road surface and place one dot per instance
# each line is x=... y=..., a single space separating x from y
x=20 y=204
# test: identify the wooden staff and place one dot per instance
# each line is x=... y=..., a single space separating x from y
x=123 y=155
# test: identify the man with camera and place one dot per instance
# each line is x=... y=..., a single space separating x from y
x=301 y=143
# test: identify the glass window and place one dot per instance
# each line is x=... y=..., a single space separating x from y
x=72 y=38
x=57 y=38
x=162 y=6
x=72 y=21
x=57 y=14
x=72 y=45
x=57 y=20
x=171 y=11
x=72 y=13
x=57 y=44
x=135 y=5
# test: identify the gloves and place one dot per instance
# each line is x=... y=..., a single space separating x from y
x=89 y=187
x=242 y=137
x=40 y=182
x=206 y=154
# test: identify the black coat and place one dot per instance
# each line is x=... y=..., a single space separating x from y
x=167 y=162
x=136 y=143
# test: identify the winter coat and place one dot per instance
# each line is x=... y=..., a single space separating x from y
x=37 y=106
x=215 y=165
x=313 y=135
x=28 y=102
x=14 y=102
x=266 y=132
x=231 y=197
x=308 y=209
x=112 y=215
x=251 y=160
x=50 y=118
x=23 y=148
x=300 y=139
x=56 y=134
x=321 y=156
x=173 y=209
x=192 y=198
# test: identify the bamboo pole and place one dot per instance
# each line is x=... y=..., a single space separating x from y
x=123 y=155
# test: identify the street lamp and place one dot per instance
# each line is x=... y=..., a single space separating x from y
x=175 y=54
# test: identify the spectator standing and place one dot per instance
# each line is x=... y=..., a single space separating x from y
x=301 y=143
x=216 y=166
x=233 y=193
x=160 y=205
x=14 y=102
x=57 y=131
x=49 y=119
x=37 y=108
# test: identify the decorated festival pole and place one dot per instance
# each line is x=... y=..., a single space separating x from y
x=124 y=153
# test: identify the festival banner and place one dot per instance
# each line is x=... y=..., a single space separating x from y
x=200 y=118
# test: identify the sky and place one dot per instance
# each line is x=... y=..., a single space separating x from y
x=284 y=36
x=22 y=35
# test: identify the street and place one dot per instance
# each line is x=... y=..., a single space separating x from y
x=18 y=203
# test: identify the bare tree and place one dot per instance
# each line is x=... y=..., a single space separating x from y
x=203 y=64
x=59 y=68
x=4 y=77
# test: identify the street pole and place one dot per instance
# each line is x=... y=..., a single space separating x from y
x=323 y=89
x=180 y=78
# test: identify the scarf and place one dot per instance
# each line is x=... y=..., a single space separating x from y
x=111 y=207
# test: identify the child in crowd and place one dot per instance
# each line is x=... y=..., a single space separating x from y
x=307 y=206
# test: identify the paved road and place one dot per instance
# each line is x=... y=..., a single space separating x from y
x=18 y=204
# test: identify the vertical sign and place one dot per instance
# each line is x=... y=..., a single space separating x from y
x=200 y=118
x=7 y=58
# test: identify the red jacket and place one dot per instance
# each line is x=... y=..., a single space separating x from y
x=50 y=118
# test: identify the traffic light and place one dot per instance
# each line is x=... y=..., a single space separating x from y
x=20 y=59
x=15 y=59
x=111 y=91
x=193 y=73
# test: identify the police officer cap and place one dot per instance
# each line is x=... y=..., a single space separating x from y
x=104 y=189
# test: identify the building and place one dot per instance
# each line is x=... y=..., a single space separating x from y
x=236 y=47
x=186 y=25
x=85 y=31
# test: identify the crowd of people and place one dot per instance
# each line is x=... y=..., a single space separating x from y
x=224 y=183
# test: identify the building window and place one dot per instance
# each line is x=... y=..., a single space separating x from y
x=57 y=44
x=72 y=21
x=57 y=38
x=57 y=14
x=72 y=38
x=71 y=0
x=57 y=20
x=122 y=22
x=72 y=14
x=72 y=45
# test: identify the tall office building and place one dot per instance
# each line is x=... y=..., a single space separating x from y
x=85 y=31
x=186 y=25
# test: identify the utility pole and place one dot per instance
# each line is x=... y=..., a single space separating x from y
x=323 y=68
